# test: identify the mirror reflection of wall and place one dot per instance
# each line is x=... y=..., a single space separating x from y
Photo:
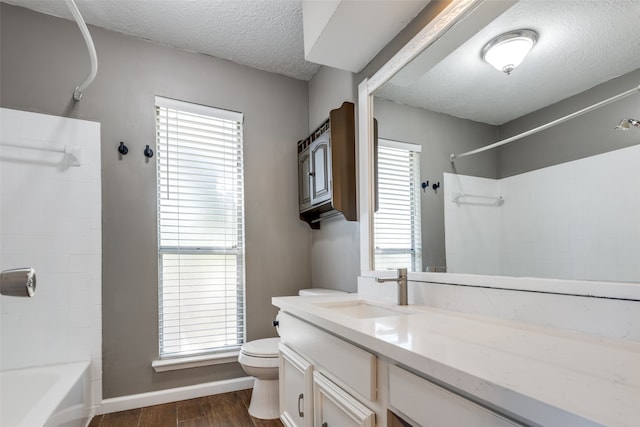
x=438 y=134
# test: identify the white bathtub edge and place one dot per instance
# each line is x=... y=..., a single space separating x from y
x=124 y=403
x=47 y=405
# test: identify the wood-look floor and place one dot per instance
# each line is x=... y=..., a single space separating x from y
x=220 y=410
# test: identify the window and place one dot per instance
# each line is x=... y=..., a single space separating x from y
x=200 y=229
x=397 y=221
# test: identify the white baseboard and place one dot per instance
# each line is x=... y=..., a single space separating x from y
x=141 y=400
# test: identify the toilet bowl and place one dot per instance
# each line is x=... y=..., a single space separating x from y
x=259 y=359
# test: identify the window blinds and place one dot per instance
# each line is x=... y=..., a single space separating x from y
x=397 y=221
x=200 y=228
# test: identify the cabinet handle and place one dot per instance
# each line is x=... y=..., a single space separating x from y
x=312 y=174
x=300 y=413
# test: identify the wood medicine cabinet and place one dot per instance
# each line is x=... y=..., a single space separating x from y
x=327 y=169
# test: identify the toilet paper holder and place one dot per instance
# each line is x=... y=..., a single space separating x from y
x=18 y=282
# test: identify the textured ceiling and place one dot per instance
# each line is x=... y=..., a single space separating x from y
x=581 y=44
x=263 y=34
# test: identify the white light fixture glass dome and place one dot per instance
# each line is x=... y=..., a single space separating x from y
x=506 y=52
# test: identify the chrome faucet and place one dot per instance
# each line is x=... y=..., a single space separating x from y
x=403 y=297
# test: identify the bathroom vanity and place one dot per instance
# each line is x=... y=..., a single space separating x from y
x=347 y=361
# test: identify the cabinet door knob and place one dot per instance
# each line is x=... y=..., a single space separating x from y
x=300 y=413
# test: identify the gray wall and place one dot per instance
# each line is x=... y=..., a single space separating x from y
x=44 y=59
x=335 y=247
x=590 y=134
x=439 y=135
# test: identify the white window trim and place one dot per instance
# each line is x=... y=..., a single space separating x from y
x=164 y=365
x=400 y=145
x=199 y=109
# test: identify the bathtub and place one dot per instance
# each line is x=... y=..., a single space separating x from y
x=47 y=396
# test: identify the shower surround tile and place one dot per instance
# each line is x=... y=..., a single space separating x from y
x=576 y=220
x=50 y=216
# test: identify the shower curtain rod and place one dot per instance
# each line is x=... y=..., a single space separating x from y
x=453 y=157
x=77 y=93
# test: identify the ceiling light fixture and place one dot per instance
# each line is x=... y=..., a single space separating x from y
x=506 y=52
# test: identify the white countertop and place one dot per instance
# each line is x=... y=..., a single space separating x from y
x=547 y=376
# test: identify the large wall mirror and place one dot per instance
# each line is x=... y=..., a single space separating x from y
x=561 y=198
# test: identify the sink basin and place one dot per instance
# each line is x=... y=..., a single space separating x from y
x=361 y=309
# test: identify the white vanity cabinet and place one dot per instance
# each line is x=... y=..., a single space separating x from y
x=432 y=367
x=428 y=404
x=325 y=381
x=319 y=376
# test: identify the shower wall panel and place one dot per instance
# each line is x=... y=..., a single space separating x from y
x=50 y=219
x=575 y=220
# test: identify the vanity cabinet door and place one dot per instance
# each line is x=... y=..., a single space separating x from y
x=296 y=389
x=334 y=407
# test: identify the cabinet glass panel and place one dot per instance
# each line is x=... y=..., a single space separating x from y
x=320 y=170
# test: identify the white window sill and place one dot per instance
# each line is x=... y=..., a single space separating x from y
x=194 y=361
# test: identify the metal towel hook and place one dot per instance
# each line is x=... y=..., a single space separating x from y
x=122 y=149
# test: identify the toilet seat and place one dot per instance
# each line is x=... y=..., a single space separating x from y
x=260 y=353
x=266 y=347
x=258 y=362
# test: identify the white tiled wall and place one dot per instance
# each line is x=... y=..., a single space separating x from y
x=577 y=220
x=50 y=219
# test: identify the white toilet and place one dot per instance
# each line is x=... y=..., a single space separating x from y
x=259 y=359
